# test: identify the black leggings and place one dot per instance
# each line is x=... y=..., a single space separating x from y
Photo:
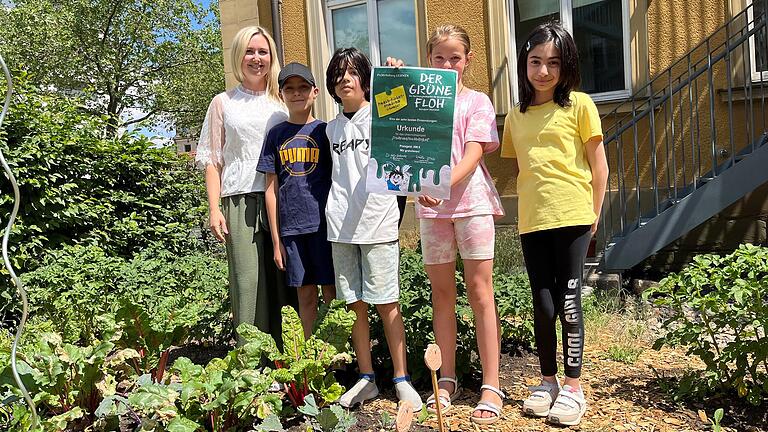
x=554 y=259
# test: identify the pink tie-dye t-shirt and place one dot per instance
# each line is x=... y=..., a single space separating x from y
x=474 y=120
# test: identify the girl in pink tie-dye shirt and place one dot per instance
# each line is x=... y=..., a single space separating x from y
x=464 y=223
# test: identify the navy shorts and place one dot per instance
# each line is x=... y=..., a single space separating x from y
x=308 y=260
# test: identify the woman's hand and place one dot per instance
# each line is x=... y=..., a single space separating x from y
x=218 y=224
x=428 y=201
x=396 y=62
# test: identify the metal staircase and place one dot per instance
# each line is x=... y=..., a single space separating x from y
x=689 y=143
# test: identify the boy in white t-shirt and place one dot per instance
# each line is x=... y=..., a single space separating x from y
x=363 y=230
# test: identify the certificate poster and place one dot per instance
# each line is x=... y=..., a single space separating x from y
x=411 y=131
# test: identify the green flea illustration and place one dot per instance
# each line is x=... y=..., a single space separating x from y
x=411 y=131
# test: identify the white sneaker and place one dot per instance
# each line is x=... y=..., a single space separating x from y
x=363 y=390
x=569 y=407
x=405 y=392
x=541 y=399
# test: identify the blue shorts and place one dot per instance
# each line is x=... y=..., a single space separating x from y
x=308 y=259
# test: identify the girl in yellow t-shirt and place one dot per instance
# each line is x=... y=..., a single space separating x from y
x=555 y=140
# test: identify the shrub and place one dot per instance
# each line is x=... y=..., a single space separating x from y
x=79 y=187
x=513 y=299
x=718 y=310
x=76 y=284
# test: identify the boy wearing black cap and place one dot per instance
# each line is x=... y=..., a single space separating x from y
x=297 y=162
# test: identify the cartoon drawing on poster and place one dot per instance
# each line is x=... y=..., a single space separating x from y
x=411 y=131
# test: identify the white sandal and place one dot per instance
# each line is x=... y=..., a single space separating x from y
x=488 y=406
x=445 y=402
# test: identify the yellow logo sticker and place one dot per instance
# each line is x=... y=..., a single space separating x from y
x=392 y=102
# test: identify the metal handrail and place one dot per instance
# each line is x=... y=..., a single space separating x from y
x=684 y=97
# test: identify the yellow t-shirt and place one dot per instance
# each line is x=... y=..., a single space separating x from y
x=554 y=185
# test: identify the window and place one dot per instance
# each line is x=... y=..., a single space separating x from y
x=759 y=42
x=380 y=28
x=601 y=32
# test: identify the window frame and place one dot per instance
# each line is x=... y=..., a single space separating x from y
x=566 y=18
x=372 y=13
x=755 y=74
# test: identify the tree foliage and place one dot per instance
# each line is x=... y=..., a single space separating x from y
x=153 y=60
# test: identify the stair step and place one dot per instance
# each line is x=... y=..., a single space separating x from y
x=740 y=157
x=644 y=221
x=705 y=179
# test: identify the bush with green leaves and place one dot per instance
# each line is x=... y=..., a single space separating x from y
x=77 y=284
x=718 y=309
x=515 y=305
x=513 y=299
x=77 y=186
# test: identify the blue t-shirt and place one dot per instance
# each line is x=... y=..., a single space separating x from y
x=300 y=156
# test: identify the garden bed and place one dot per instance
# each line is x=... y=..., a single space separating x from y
x=621 y=396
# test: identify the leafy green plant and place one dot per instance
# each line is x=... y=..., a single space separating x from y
x=513 y=300
x=717 y=418
x=226 y=393
x=77 y=284
x=330 y=419
x=68 y=382
x=386 y=421
x=304 y=365
x=718 y=310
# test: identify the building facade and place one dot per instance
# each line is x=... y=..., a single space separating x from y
x=627 y=47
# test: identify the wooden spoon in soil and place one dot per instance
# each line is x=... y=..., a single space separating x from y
x=433 y=360
x=404 y=417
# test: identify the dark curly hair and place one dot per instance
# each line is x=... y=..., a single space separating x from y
x=358 y=65
x=569 y=64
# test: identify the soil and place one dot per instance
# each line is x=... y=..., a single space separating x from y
x=621 y=397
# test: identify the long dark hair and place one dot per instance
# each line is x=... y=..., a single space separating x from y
x=569 y=64
x=357 y=63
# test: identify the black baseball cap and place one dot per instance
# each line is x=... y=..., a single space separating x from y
x=295 y=69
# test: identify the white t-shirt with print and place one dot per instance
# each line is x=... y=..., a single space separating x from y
x=354 y=215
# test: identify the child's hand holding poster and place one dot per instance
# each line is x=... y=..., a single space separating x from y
x=411 y=131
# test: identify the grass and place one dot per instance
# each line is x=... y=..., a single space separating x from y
x=624 y=353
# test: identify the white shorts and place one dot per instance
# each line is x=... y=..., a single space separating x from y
x=367 y=272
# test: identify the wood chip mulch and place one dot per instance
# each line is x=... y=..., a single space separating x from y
x=621 y=397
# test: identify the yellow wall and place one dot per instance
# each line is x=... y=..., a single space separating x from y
x=671 y=27
x=294 y=23
x=235 y=14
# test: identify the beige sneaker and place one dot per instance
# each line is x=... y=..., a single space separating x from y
x=569 y=407
x=541 y=399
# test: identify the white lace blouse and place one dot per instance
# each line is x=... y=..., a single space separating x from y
x=232 y=137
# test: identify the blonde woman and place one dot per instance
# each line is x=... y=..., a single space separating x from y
x=229 y=148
